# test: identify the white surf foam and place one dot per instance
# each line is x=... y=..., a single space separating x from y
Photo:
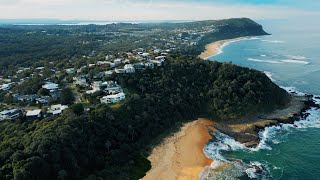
x=265 y=61
x=279 y=61
x=295 y=61
x=273 y=41
x=269 y=135
x=269 y=75
x=219 y=50
x=296 y=57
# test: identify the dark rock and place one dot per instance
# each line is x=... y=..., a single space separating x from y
x=258 y=169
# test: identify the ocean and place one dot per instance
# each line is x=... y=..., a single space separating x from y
x=291 y=58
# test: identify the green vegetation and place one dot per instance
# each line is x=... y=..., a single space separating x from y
x=112 y=143
x=66 y=46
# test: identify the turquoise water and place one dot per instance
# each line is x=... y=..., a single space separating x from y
x=291 y=58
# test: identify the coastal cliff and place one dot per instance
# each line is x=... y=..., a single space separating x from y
x=227 y=29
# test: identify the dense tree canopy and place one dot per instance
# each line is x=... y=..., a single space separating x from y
x=110 y=143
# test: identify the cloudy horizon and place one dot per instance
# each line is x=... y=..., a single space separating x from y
x=115 y=10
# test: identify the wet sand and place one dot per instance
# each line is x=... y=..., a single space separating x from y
x=181 y=156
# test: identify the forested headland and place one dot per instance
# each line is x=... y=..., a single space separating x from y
x=112 y=143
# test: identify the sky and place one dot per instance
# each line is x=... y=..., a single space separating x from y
x=158 y=9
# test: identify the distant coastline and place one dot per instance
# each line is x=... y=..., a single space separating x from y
x=216 y=47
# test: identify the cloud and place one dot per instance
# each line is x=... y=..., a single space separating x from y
x=145 y=10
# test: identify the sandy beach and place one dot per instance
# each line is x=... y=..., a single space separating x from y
x=213 y=48
x=181 y=156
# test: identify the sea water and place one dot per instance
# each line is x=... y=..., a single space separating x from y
x=291 y=58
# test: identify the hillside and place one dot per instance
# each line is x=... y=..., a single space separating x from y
x=113 y=143
x=33 y=46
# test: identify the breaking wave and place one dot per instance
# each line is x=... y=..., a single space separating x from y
x=279 y=61
x=273 y=41
x=236 y=168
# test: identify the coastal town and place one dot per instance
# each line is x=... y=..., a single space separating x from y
x=31 y=89
x=80 y=85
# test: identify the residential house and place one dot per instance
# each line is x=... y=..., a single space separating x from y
x=80 y=81
x=98 y=76
x=57 y=109
x=120 y=71
x=114 y=98
x=96 y=85
x=10 y=114
x=111 y=87
x=139 y=66
x=33 y=114
x=108 y=73
x=43 y=100
x=156 y=62
x=6 y=87
x=117 y=62
x=70 y=71
x=51 y=86
x=149 y=65
x=129 y=68
x=26 y=98
x=109 y=57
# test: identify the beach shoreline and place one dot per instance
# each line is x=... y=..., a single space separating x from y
x=181 y=156
x=214 y=48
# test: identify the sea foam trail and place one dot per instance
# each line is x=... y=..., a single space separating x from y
x=273 y=41
x=267 y=136
x=279 y=61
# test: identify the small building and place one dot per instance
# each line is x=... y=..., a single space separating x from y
x=149 y=65
x=80 y=81
x=50 y=86
x=109 y=57
x=113 y=98
x=96 y=85
x=111 y=87
x=34 y=114
x=57 y=109
x=117 y=62
x=108 y=73
x=129 y=68
x=26 y=98
x=139 y=66
x=70 y=71
x=6 y=87
x=9 y=114
x=157 y=62
x=120 y=71
x=43 y=100
x=160 y=58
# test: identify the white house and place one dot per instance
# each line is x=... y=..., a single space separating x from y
x=34 y=114
x=70 y=71
x=5 y=87
x=96 y=85
x=51 y=86
x=120 y=71
x=129 y=68
x=80 y=81
x=111 y=87
x=157 y=62
x=9 y=114
x=108 y=73
x=113 y=98
x=117 y=62
x=57 y=109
